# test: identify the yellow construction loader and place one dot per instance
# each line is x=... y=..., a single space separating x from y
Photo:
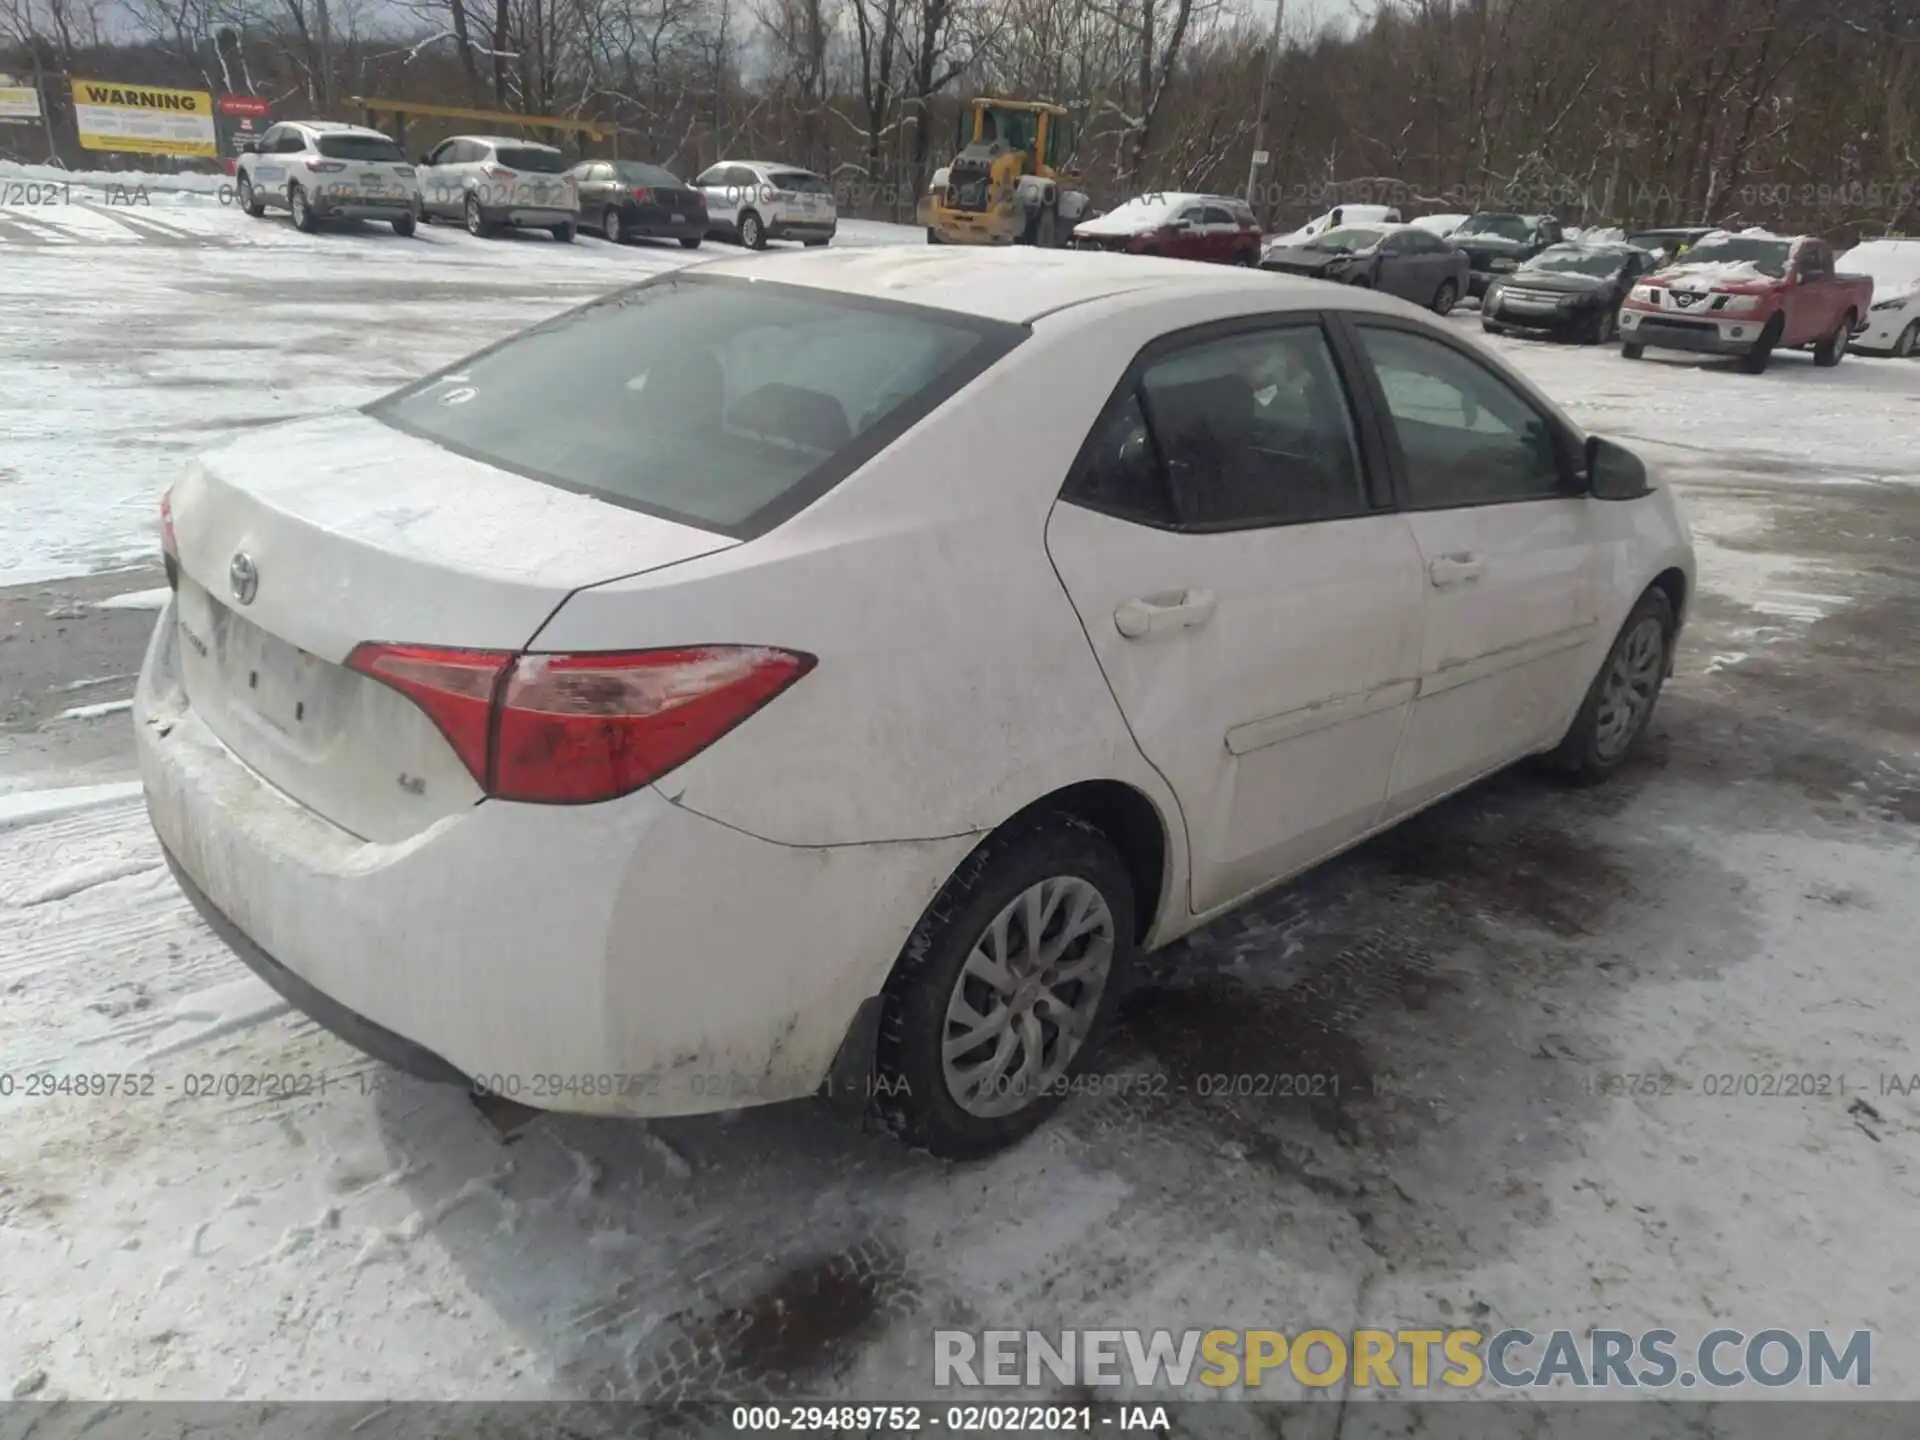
x=1010 y=181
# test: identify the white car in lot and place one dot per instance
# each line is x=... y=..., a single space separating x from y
x=1891 y=325
x=754 y=201
x=750 y=684
x=490 y=183
x=318 y=170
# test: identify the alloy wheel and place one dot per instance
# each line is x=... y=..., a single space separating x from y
x=1627 y=694
x=1026 y=998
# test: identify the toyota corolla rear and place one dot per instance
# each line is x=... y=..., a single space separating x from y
x=445 y=840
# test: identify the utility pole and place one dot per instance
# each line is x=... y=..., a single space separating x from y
x=324 y=23
x=1260 y=114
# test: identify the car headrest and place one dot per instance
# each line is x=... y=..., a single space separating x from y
x=794 y=416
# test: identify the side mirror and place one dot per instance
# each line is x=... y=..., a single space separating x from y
x=1614 y=472
x=1179 y=225
x=248 y=147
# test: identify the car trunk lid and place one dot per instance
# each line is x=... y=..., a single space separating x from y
x=297 y=543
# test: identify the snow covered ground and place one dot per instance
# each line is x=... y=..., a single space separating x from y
x=229 y=1203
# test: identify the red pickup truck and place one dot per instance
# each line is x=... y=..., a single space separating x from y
x=1747 y=294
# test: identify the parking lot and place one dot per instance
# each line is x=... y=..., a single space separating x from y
x=1634 y=1056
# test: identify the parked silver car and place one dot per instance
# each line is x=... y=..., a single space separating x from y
x=753 y=201
x=489 y=181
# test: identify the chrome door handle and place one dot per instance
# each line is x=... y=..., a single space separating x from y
x=1158 y=614
x=1451 y=570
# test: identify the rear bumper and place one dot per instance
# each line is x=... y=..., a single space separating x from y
x=802 y=229
x=334 y=207
x=628 y=958
x=654 y=224
x=1702 y=337
x=530 y=218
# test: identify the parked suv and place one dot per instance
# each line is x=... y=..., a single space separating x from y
x=488 y=182
x=1499 y=242
x=1748 y=295
x=1182 y=227
x=753 y=202
x=319 y=170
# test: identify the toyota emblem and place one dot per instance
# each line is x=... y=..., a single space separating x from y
x=243 y=577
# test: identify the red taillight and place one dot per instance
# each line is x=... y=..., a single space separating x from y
x=455 y=687
x=169 y=544
x=499 y=172
x=571 y=729
x=326 y=166
x=641 y=195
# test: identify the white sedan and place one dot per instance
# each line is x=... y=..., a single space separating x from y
x=831 y=673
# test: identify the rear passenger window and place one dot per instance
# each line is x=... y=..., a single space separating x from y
x=1118 y=472
x=1218 y=216
x=1244 y=431
x=1467 y=437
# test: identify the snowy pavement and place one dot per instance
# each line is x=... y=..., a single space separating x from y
x=202 y=1195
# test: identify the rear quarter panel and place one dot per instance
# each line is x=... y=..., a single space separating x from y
x=954 y=685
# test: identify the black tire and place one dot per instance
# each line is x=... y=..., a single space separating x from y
x=911 y=1094
x=1632 y=351
x=813 y=244
x=248 y=200
x=1492 y=327
x=610 y=227
x=690 y=242
x=563 y=233
x=1756 y=360
x=303 y=218
x=1830 y=351
x=1594 y=747
x=933 y=237
x=476 y=219
x=403 y=226
x=1446 y=297
x=1605 y=328
x=753 y=231
x=1909 y=337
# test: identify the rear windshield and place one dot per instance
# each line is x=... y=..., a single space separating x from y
x=721 y=403
x=531 y=158
x=635 y=173
x=800 y=181
x=361 y=147
x=1351 y=237
x=1502 y=227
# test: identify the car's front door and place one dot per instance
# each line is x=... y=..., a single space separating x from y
x=1251 y=597
x=1509 y=548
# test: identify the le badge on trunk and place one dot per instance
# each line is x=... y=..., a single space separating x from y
x=243 y=577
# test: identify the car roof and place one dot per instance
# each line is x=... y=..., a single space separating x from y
x=508 y=140
x=1015 y=284
x=765 y=165
x=335 y=127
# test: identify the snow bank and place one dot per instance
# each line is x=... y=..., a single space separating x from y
x=1596 y=234
x=1441 y=225
x=136 y=600
x=35 y=806
x=115 y=179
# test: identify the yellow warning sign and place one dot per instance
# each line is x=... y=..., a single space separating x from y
x=143 y=119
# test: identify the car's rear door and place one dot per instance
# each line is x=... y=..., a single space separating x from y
x=1509 y=549
x=1222 y=232
x=1252 y=598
